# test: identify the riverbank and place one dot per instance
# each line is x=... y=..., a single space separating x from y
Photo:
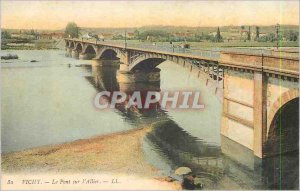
x=103 y=154
x=13 y=44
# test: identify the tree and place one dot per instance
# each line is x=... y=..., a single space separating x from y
x=95 y=36
x=5 y=35
x=206 y=36
x=72 y=30
x=271 y=37
x=267 y=38
x=158 y=35
x=249 y=34
x=118 y=37
x=242 y=28
x=257 y=32
x=32 y=32
x=218 y=37
x=292 y=35
x=136 y=34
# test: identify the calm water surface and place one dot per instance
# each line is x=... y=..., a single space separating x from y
x=51 y=101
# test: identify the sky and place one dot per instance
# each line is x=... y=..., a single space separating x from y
x=56 y=14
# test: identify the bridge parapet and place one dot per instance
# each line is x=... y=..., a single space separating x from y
x=269 y=64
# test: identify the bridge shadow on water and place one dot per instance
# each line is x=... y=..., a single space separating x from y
x=169 y=146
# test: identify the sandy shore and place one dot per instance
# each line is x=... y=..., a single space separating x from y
x=118 y=153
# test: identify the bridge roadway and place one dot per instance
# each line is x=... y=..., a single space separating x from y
x=256 y=88
x=213 y=52
x=268 y=60
x=176 y=51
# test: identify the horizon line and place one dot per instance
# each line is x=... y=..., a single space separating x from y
x=131 y=27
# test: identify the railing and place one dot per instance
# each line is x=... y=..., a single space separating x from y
x=272 y=64
x=257 y=59
x=211 y=53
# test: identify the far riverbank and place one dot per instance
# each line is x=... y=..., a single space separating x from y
x=12 y=44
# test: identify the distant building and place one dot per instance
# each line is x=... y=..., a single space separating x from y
x=233 y=37
x=213 y=33
x=222 y=33
x=130 y=35
x=105 y=36
x=58 y=35
x=244 y=34
x=234 y=30
x=87 y=36
x=262 y=34
x=44 y=36
x=150 y=38
x=183 y=34
x=23 y=36
x=15 y=35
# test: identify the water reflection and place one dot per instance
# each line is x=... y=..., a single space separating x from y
x=177 y=146
x=177 y=139
x=104 y=79
x=50 y=98
x=169 y=145
x=281 y=172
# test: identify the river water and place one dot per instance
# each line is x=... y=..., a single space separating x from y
x=51 y=101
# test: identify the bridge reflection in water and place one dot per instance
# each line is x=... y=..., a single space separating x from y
x=168 y=143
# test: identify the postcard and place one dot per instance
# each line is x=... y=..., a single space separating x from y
x=149 y=95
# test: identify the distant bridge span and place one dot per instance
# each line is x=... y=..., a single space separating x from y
x=256 y=89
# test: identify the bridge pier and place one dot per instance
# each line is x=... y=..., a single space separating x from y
x=105 y=62
x=75 y=54
x=124 y=75
x=86 y=56
x=255 y=91
x=240 y=154
x=259 y=112
x=68 y=52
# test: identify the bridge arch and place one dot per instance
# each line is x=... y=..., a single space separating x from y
x=79 y=47
x=72 y=44
x=283 y=131
x=67 y=43
x=281 y=101
x=89 y=49
x=110 y=53
x=148 y=61
x=143 y=63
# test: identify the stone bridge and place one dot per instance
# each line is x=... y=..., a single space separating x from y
x=259 y=93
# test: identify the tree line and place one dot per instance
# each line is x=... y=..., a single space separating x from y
x=73 y=31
